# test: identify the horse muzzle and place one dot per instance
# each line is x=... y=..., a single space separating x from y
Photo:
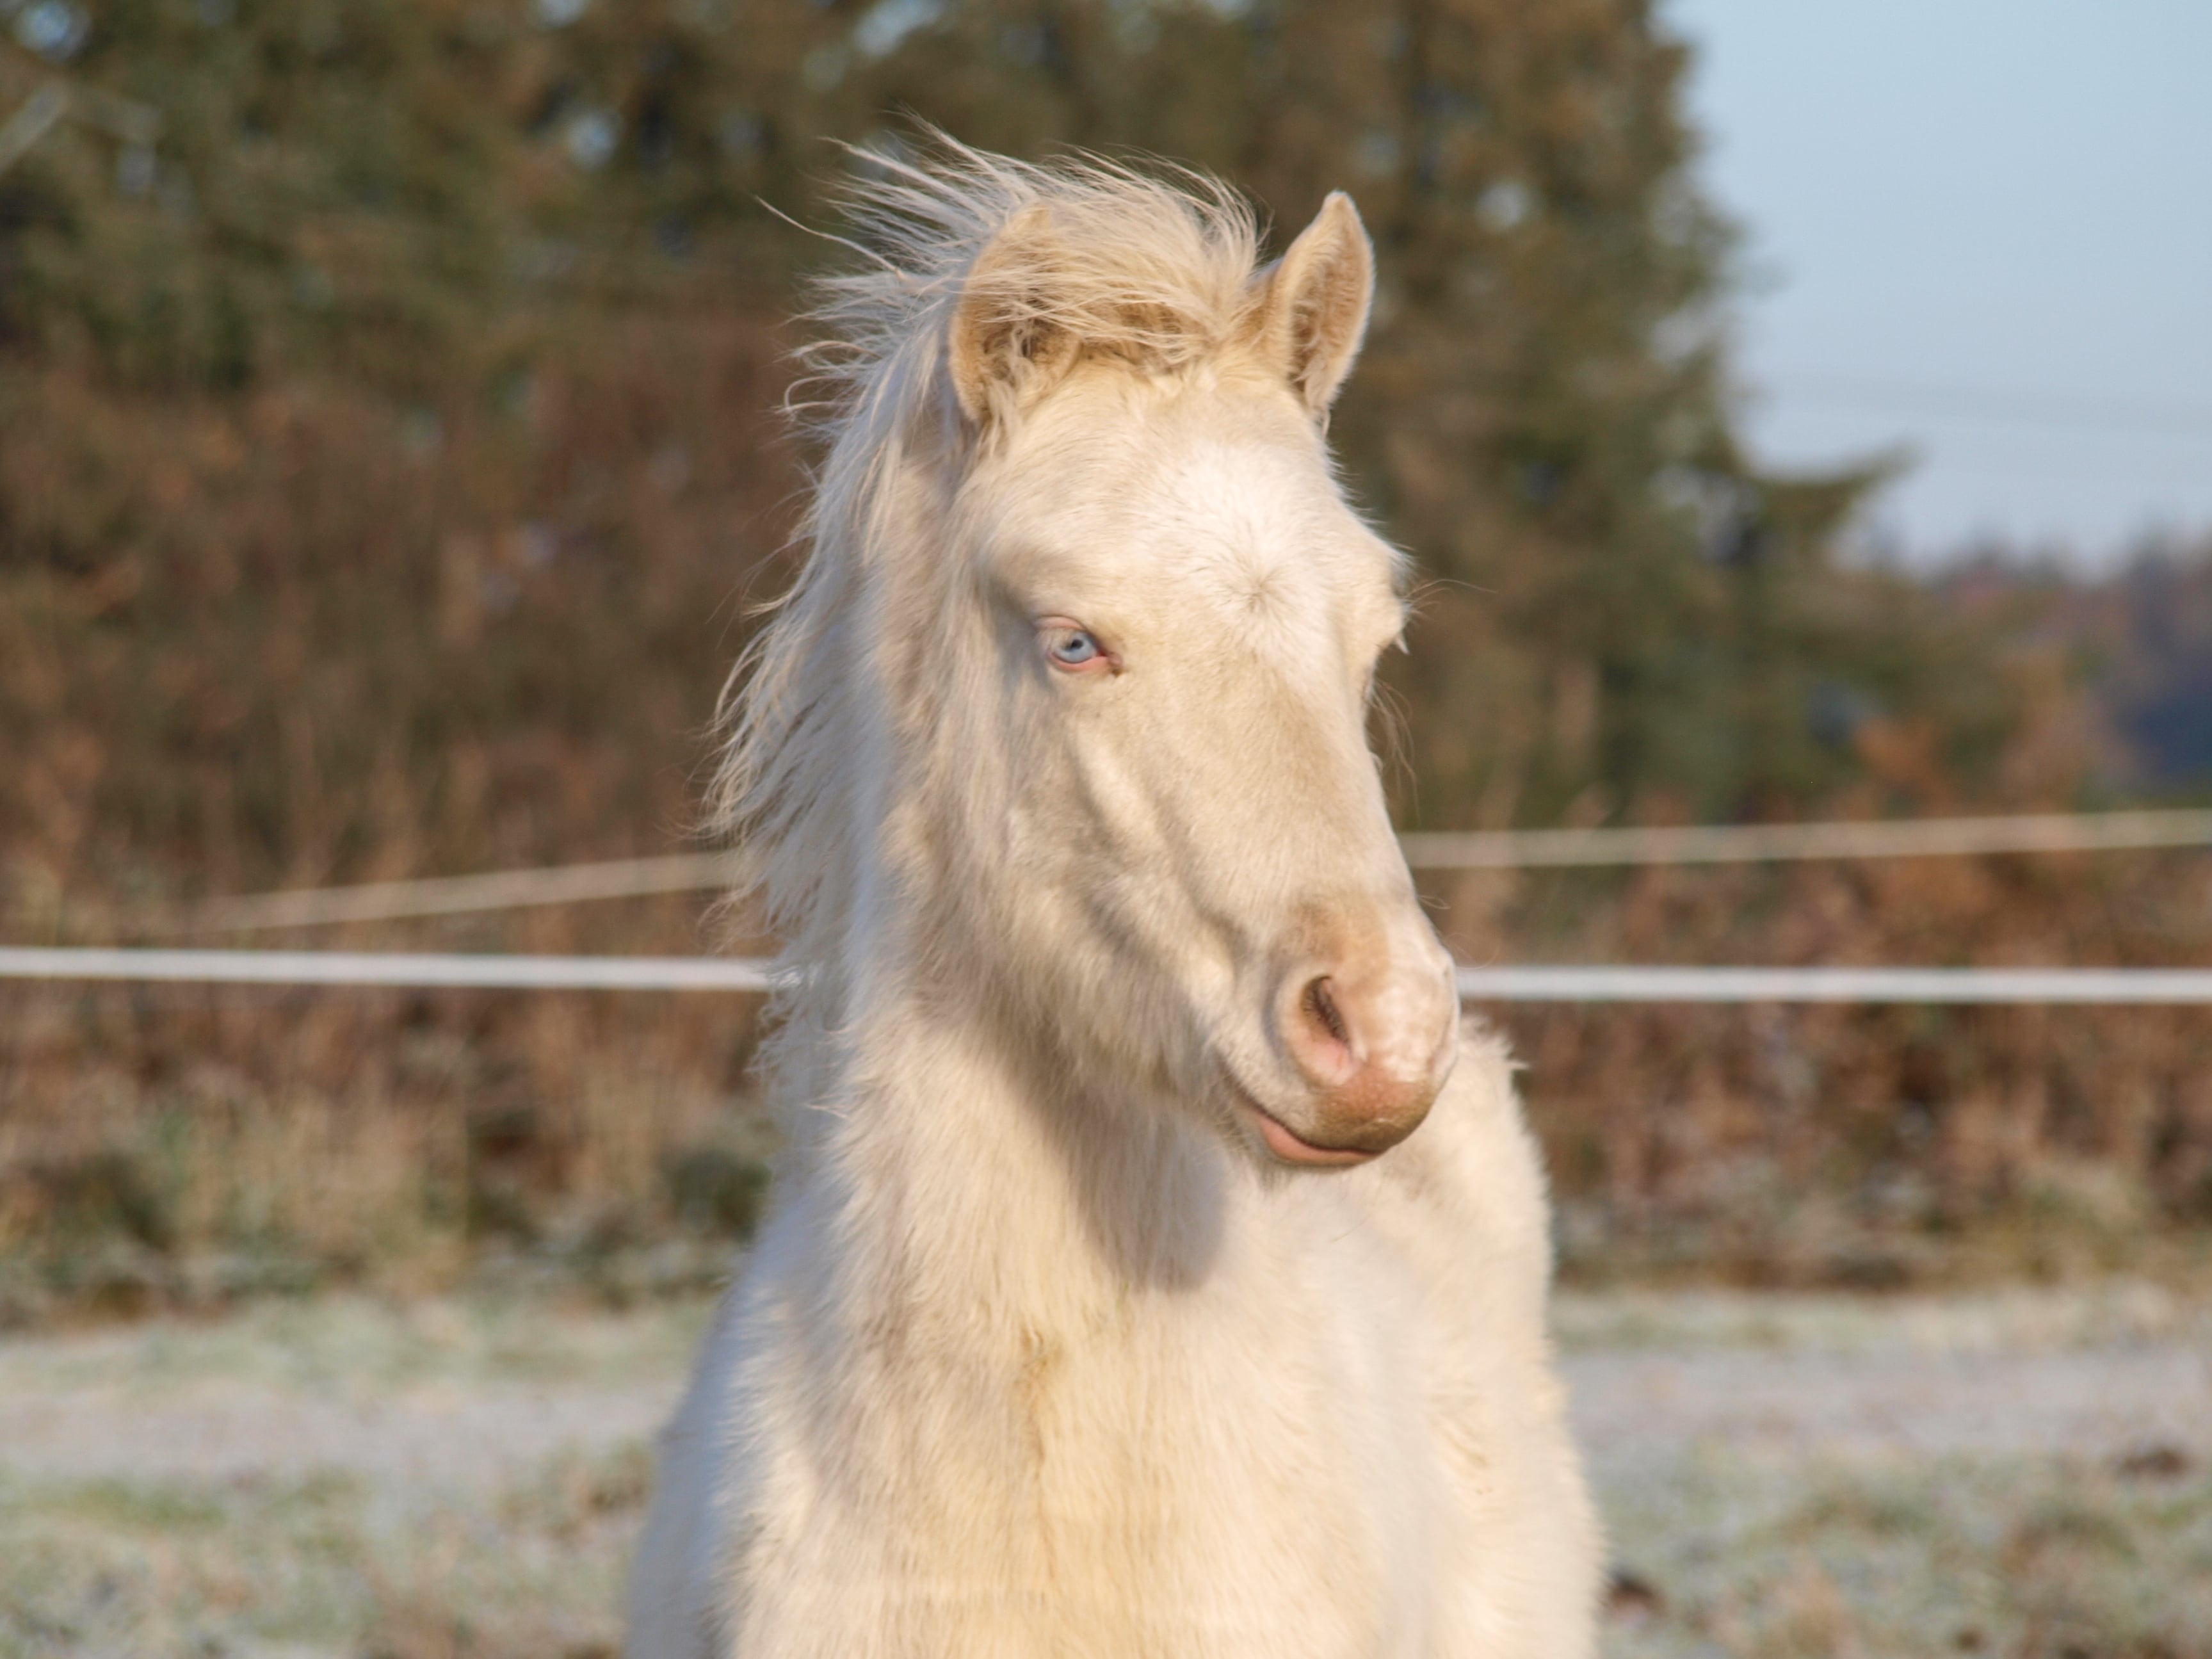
x=1372 y=1040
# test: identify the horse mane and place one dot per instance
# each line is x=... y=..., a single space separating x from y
x=1154 y=269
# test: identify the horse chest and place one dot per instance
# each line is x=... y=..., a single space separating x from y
x=1222 y=1473
x=1258 y=1481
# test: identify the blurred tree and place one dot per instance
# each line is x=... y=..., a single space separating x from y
x=421 y=202
x=1624 y=614
x=385 y=436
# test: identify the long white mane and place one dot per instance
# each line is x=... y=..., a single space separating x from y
x=1157 y=270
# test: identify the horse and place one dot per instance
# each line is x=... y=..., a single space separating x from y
x=1109 y=1303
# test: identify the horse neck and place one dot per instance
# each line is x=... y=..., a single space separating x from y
x=957 y=1158
x=958 y=1171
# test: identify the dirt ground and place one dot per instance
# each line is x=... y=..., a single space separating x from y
x=2026 y=1473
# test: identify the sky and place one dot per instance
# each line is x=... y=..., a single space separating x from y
x=1981 y=230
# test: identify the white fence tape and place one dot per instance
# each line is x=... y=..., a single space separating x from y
x=1486 y=849
x=1864 y=985
x=1756 y=843
x=391 y=968
x=449 y=895
x=2138 y=986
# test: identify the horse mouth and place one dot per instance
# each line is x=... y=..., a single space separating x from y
x=1284 y=1143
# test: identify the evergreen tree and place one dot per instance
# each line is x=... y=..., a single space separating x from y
x=418 y=199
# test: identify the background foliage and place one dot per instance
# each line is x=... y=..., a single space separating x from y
x=387 y=453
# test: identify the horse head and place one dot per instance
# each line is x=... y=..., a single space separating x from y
x=1154 y=824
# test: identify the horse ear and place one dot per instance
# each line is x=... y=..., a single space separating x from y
x=1006 y=346
x=1314 y=314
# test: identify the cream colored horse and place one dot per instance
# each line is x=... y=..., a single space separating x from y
x=1110 y=1304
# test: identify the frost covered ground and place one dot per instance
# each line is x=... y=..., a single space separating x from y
x=2022 y=1474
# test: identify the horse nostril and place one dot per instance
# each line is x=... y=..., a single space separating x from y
x=1321 y=1007
x=1322 y=1033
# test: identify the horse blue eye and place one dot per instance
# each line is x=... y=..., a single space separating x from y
x=1075 y=646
